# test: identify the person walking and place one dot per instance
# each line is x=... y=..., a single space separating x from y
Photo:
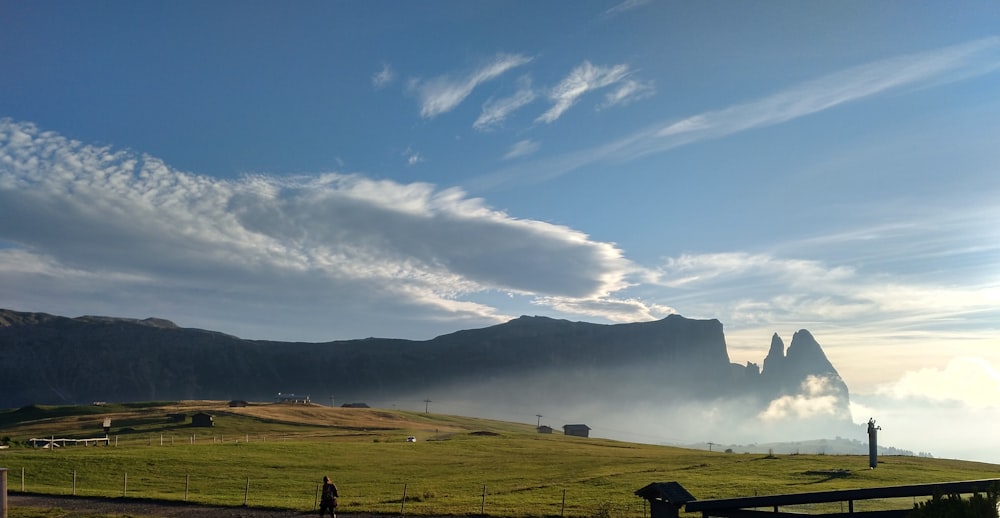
x=328 y=498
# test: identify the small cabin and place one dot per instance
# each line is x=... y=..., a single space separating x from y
x=202 y=419
x=665 y=499
x=238 y=403
x=544 y=429
x=576 y=430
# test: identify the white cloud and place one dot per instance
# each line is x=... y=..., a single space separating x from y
x=442 y=94
x=522 y=148
x=582 y=79
x=842 y=87
x=412 y=157
x=628 y=92
x=383 y=77
x=930 y=68
x=608 y=308
x=334 y=249
x=627 y=5
x=972 y=381
x=818 y=397
x=951 y=411
x=495 y=111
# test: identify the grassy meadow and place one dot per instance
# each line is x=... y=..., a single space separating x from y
x=275 y=456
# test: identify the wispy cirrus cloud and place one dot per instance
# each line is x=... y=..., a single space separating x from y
x=384 y=77
x=913 y=71
x=126 y=230
x=582 y=79
x=442 y=94
x=495 y=111
x=629 y=91
x=522 y=148
x=627 y=5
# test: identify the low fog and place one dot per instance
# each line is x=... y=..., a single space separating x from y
x=622 y=403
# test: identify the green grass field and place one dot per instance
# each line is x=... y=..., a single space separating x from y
x=275 y=456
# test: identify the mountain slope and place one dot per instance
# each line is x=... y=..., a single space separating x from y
x=581 y=369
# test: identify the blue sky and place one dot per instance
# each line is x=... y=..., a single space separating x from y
x=332 y=170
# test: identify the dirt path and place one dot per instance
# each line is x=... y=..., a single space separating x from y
x=88 y=506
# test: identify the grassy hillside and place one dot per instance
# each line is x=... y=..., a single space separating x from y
x=457 y=465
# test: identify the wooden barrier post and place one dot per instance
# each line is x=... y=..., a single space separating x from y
x=3 y=492
x=402 y=501
x=246 y=495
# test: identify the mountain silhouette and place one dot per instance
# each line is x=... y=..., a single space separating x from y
x=528 y=362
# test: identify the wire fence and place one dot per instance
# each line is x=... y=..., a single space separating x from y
x=265 y=492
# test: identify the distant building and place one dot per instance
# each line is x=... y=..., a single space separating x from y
x=576 y=430
x=544 y=429
x=203 y=420
x=355 y=405
x=238 y=403
x=292 y=399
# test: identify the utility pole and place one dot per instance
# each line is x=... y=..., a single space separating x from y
x=426 y=403
x=710 y=444
x=331 y=401
x=539 y=416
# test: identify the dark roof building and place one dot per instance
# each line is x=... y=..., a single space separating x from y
x=577 y=430
x=202 y=419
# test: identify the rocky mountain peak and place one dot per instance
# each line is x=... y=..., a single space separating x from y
x=775 y=355
x=806 y=356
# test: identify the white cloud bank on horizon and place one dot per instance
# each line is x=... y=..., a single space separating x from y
x=951 y=412
x=99 y=224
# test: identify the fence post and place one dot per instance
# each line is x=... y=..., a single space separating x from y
x=482 y=508
x=125 y=485
x=74 y=482
x=22 y=479
x=247 y=493
x=187 y=483
x=562 y=512
x=316 y=498
x=3 y=492
x=402 y=502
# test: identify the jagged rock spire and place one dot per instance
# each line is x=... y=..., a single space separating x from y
x=775 y=356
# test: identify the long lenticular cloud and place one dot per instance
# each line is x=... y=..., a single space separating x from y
x=107 y=214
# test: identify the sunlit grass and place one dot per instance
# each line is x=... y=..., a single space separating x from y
x=511 y=471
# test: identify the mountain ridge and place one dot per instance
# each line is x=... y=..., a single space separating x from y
x=594 y=371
